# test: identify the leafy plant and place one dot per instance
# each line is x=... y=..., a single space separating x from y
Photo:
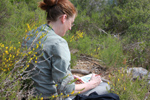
x=128 y=89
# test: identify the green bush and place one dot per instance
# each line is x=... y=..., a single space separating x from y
x=20 y=14
x=106 y=48
x=128 y=89
x=111 y=32
x=127 y=19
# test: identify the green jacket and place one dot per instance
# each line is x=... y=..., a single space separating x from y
x=52 y=66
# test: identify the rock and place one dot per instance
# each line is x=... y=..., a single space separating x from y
x=149 y=78
x=73 y=51
x=137 y=71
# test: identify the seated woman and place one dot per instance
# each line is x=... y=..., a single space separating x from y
x=54 y=64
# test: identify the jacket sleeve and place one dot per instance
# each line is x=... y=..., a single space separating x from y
x=61 y=72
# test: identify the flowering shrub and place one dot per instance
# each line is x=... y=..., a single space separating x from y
x=9 y=56
x=77 y=36
x=128 y=89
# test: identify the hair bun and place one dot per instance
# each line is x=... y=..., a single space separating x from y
x=50 y=2
x=45 y=4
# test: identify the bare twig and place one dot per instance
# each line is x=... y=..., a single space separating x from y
x=101 y=30
x=82 y=56
x=81 y=71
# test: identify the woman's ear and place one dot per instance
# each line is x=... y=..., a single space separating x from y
x=63 y=18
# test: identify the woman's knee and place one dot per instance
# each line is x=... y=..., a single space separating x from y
x=105 y=85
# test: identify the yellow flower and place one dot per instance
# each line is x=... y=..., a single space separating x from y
x=27 y=65
x=124 y=88
x=40 y=37
x=109 y=76
x=108 y=83
x=30 y=52
x=61 y=93
x=68 y=95
x=10 y=48
x=72 y=92
x=56 y=85
x=28 y=27
x=37 y=45
x=26 y=36
x=53 y=96
x=6 y=52
x=6 y=47
x=35 y=61
x=41 y=98
x=118 y=79
x=39 y=42
x=79 y=92
x=2 y=45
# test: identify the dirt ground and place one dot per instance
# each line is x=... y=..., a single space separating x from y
x=92 y=65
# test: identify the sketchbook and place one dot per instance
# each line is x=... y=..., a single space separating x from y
x=83 y=79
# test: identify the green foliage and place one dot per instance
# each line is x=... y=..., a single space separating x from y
x=106 y=48
x=8 y=88
x=127 y=89
x=127 y=18
x=18 y=16
x=5 y=10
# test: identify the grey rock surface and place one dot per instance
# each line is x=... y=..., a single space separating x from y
x=139 y=72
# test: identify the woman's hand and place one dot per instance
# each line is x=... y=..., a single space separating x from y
x=95 y=80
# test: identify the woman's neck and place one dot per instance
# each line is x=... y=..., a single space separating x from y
x=56 y=26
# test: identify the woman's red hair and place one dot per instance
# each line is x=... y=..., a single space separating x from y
x=55 y=8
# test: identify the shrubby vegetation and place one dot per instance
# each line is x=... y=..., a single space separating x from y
x=115 y=32
x=127 y=20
